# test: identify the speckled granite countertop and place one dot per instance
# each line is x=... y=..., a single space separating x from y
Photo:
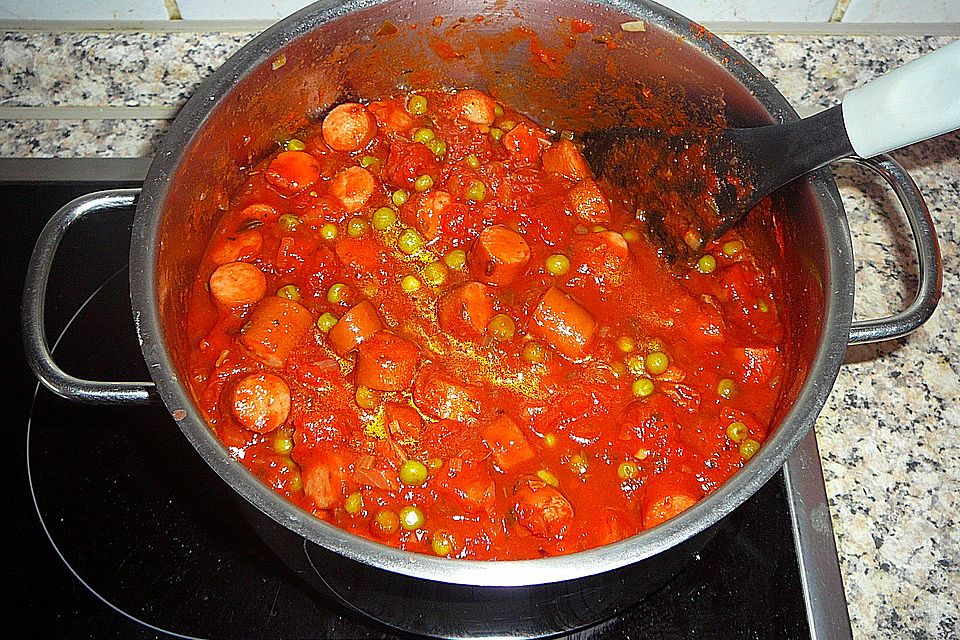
x=890 y=433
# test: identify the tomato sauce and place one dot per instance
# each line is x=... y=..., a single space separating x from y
x=425 y=322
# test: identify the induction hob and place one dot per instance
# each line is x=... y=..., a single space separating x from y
x=119 y=529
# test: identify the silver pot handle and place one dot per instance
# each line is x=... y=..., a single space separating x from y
x=928 y=258
x=34 y=301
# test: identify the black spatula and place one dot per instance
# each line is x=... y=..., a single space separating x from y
x=713 y=179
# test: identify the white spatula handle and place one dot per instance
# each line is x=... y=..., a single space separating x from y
x=915 y=102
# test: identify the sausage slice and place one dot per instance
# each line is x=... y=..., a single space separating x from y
x=560 y=321
x=499 y=255
x=261 y=402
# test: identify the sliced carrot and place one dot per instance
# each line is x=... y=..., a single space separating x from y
x=293 y=171
x=588 y=203
x=560 y=321
x=354 y=327
x=237 y=283
x=275 y=327
x=540 y=507
x=348 y=127
x=565 y=158
x=387 y=362
x=261 y=402
x=465 y=311
x=499 y=255
x=353 y=187
x=507 y=443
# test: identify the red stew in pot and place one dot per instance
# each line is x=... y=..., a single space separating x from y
x=425 y=322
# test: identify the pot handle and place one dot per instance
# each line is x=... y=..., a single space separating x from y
x=928 y=258
x=34 y=301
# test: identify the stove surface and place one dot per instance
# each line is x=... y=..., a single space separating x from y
x=125 y=532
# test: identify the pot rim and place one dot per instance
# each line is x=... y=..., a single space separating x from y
x=838 y=314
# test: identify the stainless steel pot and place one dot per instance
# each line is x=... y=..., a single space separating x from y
x=333 y=50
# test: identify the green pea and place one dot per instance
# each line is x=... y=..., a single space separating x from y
x=502 y=327
x=550 y=441
x=441 y=543
x=400 y=197
x=356 y=227
x=578 y=464
x=496 y=134
x=558 y=264
x=353 y=503
x=642 y=387
x=411 y=518
x=737 y=431
x=726 y=388
x=366 y=398
x=383 y=218
x=329 y=231
x=497 y=111
x=413 y=473
x=336 y=293
x=706 y=264
x=507 y=125
x=549 y=477
x=534 y=352
x=656 y=362
x=283 y=443
x=472 y=161
x=288 y=221
x=435 y=273
x=732 y=247
x=630 y=235
x=386 y=522
x=290 y=292
x=409 y=242
x=627 y=470
x=423 y=182
x=456 y=259
x=438 y=147
x=423 y=135
x=626 y=344
x=748 y=448
x=417 y=105
x=477 y=191
x=369 y=161
x=296 y=482
x=293 y=144
x=635 y=364
x=326 y=322
x=410 y=284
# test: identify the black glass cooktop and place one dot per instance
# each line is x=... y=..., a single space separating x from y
x=120 y=530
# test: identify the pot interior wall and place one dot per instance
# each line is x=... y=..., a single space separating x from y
x=524 y=56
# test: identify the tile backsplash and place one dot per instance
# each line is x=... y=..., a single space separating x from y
x=811 y=11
